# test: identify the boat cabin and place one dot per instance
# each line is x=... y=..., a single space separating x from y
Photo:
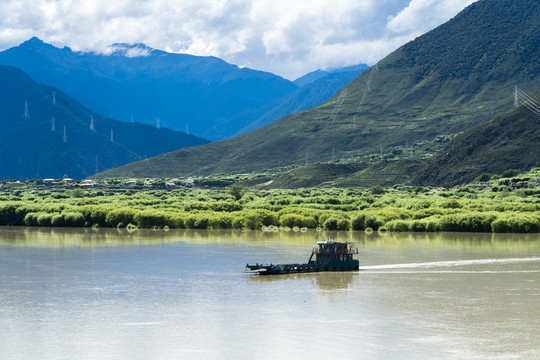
x=332 y=252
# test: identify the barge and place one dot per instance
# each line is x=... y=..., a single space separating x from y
x=328 y=255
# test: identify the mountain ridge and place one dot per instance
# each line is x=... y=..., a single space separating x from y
x=45 y=133
x=424 y=89
x=177 y=88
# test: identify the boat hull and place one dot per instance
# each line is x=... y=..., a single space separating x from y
x=280 y=269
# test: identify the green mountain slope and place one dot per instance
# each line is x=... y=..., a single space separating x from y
x=30 y=147
x=510 y=141
x=443 y=82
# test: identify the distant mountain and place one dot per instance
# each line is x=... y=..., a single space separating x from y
x=319 y=74
x=509 y=141
x=318 y=86
x=183 y=91
x=44 y=133
x=443 y=82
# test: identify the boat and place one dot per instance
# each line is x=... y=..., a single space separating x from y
x=329 y=255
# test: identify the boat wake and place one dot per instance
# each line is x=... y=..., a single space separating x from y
x=453 y=263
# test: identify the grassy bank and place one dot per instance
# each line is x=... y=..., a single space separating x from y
x=496 y=208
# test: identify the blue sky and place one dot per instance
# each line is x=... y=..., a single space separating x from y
x=286 y=37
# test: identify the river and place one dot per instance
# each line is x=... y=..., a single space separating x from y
x=155 y=294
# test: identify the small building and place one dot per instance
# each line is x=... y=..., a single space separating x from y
x=519 y=185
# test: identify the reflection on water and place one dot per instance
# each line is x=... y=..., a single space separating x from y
x=62 y=237
x=325 y=281
x=181 y=294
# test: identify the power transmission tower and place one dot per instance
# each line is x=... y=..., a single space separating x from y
x=92 y=124
x=381 y=153
x=157 y=123
x=65 y=135
x=516 y=99
x=53 y=128
x=53 y=98
x=112 y=135
x=26 y=114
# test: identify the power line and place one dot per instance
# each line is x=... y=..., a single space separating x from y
x=527 y=101
x=366 y=90
x=337 y=106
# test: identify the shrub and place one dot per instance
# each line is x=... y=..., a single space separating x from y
x=516 y=223
x=510 y=173
x=398 y=225
x=44 y=219
x=30 y=219
x=252 y=221
x=8 y=214
x=220 y=221
x=373 y=222
x=292 y=220
x=226 y=206
x=469 y=222
x=73 y=219
x=359 y=222
x=150 y=218
x=176 y=221
x=451 y=204
x=57 y=220
x=483 y=177
x=343 y=224
x=196 y=221
x=238 y=223
x=331 y=224
x=121 y=215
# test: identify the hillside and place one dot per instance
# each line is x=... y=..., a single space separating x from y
x=317 y=87
x=30 y=147
x=509 y=141
x=444 y=82
x=183 y=91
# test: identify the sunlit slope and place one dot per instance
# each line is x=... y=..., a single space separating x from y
x=446 y=81
x=510 y=141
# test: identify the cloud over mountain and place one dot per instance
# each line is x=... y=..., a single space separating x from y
x=284 y=37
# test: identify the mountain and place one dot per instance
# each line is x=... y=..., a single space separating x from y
x=443 y=82
x=319 y=74
x=33 y=143
x=317 y=87
x=183 y=91
x=510 y=140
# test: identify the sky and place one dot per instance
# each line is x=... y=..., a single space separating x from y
x=286 y=37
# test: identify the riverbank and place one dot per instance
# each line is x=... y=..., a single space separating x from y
x=469 y=208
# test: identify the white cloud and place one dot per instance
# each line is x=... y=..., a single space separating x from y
x=286 y=37
x=429 y=13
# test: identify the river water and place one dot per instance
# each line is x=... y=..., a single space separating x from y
x=109 y=294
